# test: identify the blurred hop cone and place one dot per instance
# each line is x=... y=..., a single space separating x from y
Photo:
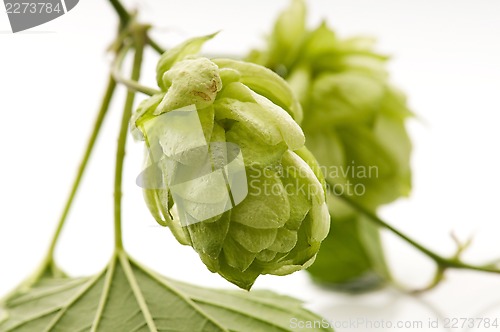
x=226 y=168
x=354 y=122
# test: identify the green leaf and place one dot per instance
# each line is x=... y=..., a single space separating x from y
x=128 y=297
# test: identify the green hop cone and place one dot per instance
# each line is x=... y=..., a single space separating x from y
x=226 y=168
x=354 y=122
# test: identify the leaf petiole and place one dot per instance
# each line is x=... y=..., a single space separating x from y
x=139 y=40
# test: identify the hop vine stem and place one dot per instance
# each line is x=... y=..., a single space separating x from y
x=443 y=263
x=129 y=83
x=120 y=10
x=139 y=42
x=125 y=17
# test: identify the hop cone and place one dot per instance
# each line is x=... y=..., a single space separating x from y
x=226 y=168
x=354 y=122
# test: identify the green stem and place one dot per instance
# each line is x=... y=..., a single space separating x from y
x=155 y=46
x=441 y=261
x=130 y=84
x=125 y=17
x=120 y=10
x=139 y=42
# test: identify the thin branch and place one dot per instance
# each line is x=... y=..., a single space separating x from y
x=125 y=18
x=131 y=84
x=154 y=45
x=441 y=261
x=120 y=10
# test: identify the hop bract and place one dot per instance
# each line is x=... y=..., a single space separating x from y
x=226 y=169
x=354 y=119
x=354 y=122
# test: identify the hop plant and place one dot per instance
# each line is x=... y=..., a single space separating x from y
x=354 y=122
x=226 y=167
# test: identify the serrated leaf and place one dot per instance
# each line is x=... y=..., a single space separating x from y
x=128 y=297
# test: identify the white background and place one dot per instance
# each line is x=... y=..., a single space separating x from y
x=446 y=56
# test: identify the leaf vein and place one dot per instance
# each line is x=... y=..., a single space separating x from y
x=139 y=296
x=104 y=296
x=72 y=301
x=176 y=291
